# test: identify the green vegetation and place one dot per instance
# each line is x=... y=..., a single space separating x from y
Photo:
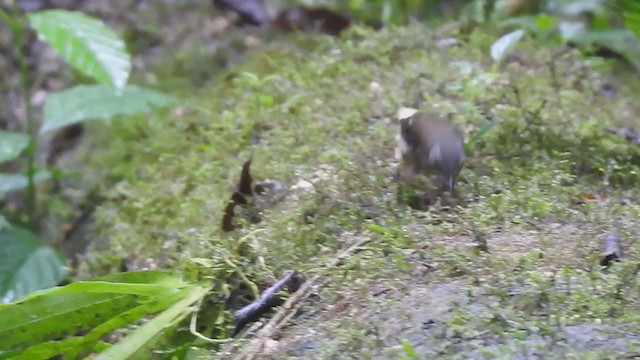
x=513 y=270
x=93 y=49
x=322 y=111
x=87 y=311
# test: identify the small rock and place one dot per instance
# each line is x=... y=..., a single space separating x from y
x=447 y=42
x=269 y=346
x=265 y=346
x=375 y=88
x=302 y=185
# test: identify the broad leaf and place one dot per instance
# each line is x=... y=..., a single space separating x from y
x=12 y=182
x=86 y=43
x=545 y=22
x=12 y=144
x=158 y=277
x=140 y=338
x=32 y=327
x=630 y=10
x=501 y=48
x=93 y=102
x=622 y=41
x=124 y=315
x=153 y=283
x=117 y=288
x=26 y=264
x=4 y=224
x=54 y=315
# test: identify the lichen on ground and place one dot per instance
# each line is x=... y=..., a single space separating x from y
x=317 y=115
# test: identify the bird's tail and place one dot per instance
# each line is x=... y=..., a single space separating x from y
x=450 y=182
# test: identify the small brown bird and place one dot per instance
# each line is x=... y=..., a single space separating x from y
x=431 y=144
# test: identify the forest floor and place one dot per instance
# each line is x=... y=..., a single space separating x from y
x=512 y=272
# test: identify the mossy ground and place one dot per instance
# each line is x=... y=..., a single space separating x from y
x=321 y=110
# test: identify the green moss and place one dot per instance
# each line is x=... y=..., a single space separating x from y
x=312 y=107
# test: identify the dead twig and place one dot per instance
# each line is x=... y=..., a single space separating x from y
x=269 y=299
x=290 y=308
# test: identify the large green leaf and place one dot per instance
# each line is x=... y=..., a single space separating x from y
x=46 y=323
x=117 y=288
x=92 y=102
x=153 y=283
x=140 y=338
x=86 y=43
x=4 y=224
x=12 y=144
x=157 y=277
x=74 y=345
x=26 y=264
x=630 y=10
x=54 y=315
x=12 y=182
x=622 y=41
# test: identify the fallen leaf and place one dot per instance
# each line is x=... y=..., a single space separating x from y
x=244 y=187
x=253 y=198
x=239 y=198
x=227 y=218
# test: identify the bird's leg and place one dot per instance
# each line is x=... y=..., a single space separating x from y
x=405 y=178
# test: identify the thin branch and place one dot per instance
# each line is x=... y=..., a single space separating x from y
x=291 y=306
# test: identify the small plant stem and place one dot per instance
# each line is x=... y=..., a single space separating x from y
x=18 y=27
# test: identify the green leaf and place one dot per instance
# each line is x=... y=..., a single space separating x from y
x=622 y=41
x=545 y=22
x=117 y=288
x=251 y=78
x=117 y=321
x=408 y=349
x=93 y=102
x=501 y=48
x=158 y=277
x=12 y=182
x=204 y=262
x=482 y=130
x=619 y=37
x=630 y=10
x=376 y=229
x=12 y=144
x=164 y=280
x=26 y=264
x=139 y=338
x=86 y=43
x=50 y=349
x=4 y=224
x=32 y=327
x=540 y=23
x=53 y=315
